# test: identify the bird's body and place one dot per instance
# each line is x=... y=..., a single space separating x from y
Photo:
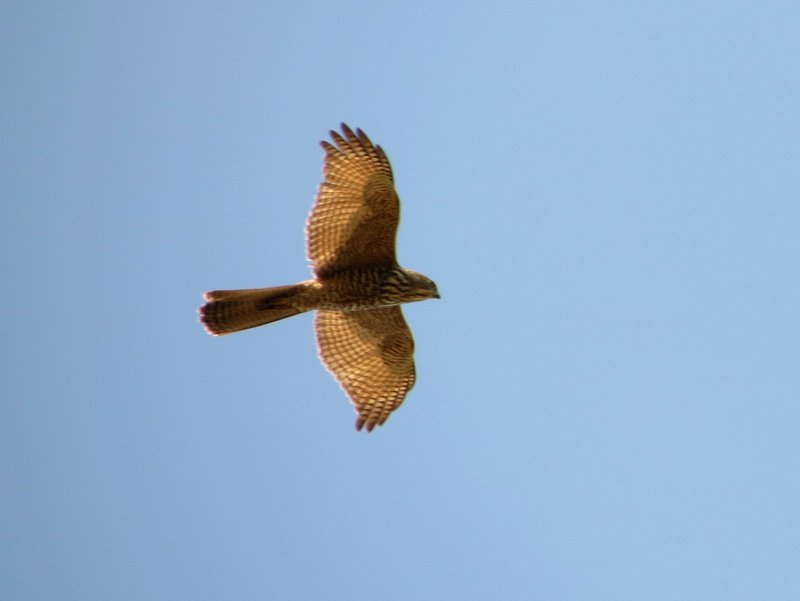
x=353 y=290
x=357 y=286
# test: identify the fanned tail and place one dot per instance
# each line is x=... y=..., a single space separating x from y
x=229 y=311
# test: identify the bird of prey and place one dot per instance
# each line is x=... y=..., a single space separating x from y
x=357 y=286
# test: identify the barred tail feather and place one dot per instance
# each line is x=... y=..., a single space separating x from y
x=229 y=311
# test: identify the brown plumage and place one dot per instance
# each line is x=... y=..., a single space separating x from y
x=357 y=287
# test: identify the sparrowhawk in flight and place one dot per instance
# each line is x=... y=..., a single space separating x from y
x=357 y=286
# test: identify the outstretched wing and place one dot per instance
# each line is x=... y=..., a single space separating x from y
x=354 y=220
x=371 y=354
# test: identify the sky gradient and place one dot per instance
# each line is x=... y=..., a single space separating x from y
x=608 y=397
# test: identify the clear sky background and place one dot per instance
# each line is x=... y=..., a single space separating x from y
x=608 y=400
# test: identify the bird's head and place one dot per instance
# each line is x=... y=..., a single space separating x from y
x=421 y=287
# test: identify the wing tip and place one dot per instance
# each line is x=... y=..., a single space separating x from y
x=369 y=423
x=363 y=423
x=348 y=137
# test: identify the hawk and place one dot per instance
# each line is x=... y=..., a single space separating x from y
x=357 y=286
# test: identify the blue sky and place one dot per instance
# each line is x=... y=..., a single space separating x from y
x=607 y=195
